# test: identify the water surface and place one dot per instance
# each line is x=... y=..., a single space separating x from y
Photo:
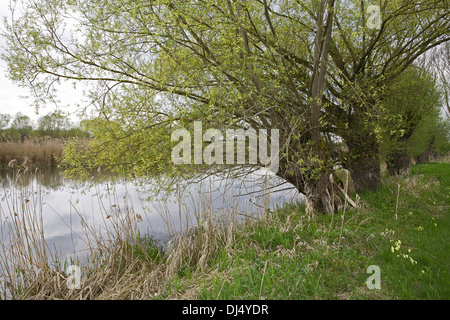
x=72 y=210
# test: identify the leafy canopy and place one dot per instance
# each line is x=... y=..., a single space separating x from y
x=155 y=66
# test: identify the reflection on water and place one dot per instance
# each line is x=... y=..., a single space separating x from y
x=70 y=209
x=49 y=178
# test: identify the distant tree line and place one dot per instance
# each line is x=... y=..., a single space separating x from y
x=55 y=124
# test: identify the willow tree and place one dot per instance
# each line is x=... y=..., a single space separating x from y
x=311 y=69
x=366 y=61
x=413 y=103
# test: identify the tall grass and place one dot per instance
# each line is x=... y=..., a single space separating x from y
x=38 y=150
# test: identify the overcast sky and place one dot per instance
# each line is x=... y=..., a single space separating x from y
x=10 y=93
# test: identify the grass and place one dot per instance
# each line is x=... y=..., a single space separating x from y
x=423 y=229
x=403 y=228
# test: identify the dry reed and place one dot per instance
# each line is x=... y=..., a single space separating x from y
x=37 y=150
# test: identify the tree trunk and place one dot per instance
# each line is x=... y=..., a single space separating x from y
x=319 y=189
x=428 y=156
x=398 y=160
x=399 y=165
x=365 y=173
x=322 y=195
x=364 y=163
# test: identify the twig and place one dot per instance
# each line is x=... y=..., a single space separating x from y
x=262 y=280
x=396 y=205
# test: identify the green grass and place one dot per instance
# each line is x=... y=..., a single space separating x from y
x=290 y=255
x=423 y=229
x=148 y=248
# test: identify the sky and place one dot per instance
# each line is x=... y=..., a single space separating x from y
x=10 y=93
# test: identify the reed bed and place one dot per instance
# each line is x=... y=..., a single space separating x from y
x=121 y=263
x=44 y=151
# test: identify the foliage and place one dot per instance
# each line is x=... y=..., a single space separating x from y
x=431 y=133
x=413 y=121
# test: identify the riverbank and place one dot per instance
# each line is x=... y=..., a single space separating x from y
x=402 y=229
